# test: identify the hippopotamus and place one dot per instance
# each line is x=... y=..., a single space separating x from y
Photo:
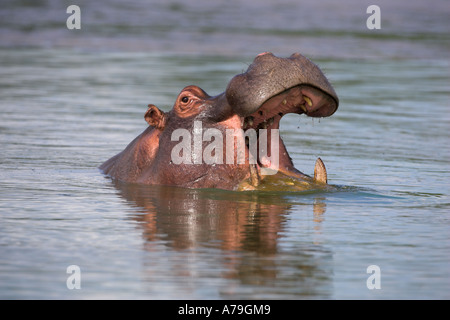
x=230 y=141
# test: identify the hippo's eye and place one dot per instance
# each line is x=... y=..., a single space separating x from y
x=185 y=103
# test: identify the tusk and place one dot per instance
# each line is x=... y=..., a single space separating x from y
x=320 y=172
x=254 y=175
x=308 y=100
x=263 y=125
x=302 y=106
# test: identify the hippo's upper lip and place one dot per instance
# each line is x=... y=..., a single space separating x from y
x=269 y=76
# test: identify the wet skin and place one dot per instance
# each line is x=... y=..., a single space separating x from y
x=254 y=100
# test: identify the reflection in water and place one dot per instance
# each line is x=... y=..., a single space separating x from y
x=319 y=209
x=244 y=231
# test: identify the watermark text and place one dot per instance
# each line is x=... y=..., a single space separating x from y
x=228 y=149
x=74 y=20
x=374 y=280
x=374 y=20
x=74 y=280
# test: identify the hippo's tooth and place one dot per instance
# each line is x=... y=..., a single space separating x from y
x=302 y=106
x=254 y=175
x=250 y=121
x=245 y=124
x=320 y=172
x=284 y=101
x=308 y=100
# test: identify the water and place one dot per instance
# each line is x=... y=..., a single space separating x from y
x=72 y=99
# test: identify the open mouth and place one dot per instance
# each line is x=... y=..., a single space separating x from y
x=300 y=99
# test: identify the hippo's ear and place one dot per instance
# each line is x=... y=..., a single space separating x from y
x=155 y=117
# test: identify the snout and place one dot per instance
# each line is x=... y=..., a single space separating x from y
x=269 y=76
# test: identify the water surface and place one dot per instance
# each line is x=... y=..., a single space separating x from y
x=70 y=101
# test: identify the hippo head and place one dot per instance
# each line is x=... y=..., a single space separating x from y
x=229 y=141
